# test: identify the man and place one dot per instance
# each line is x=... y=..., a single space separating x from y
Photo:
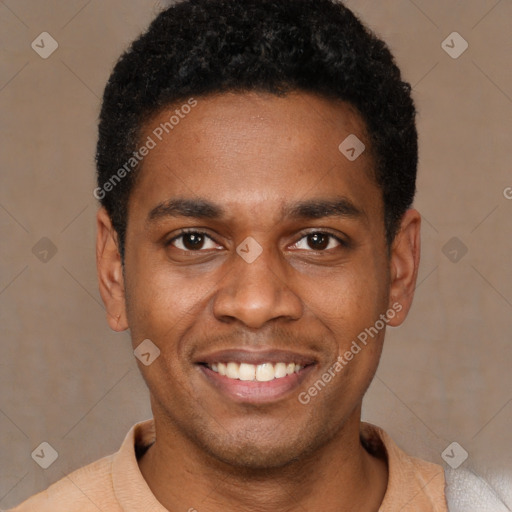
x=256 y=169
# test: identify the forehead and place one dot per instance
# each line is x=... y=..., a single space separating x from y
x=256 y=150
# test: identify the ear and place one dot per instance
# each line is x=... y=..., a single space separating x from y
x=110 y=272
x=404 y=263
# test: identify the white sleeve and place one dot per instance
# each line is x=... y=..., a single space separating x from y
x=467 y=491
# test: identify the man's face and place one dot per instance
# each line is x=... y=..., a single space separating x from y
x=263 y=164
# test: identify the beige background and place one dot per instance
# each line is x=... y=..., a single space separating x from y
x=68 y=380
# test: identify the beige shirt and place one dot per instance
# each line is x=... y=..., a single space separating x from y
x=115 y=483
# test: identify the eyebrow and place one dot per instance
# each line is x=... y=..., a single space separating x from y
x=205 y=209
x=196 y=208
x=320 y=208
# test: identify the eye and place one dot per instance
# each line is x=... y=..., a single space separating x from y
x=319 y=241
x=193 y=241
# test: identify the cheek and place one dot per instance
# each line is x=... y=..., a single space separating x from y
x=161 y=302
x=348 y=305
x=348 y=298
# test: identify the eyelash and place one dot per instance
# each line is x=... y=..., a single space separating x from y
x=343 y=243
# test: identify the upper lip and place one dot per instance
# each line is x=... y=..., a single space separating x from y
x=255 y=357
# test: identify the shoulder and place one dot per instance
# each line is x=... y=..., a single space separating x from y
x=101 y=484
x=400 y=464
x=413 y=484
x=86 y=489
x=468 y=491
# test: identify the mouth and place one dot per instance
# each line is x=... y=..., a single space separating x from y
x=246 y=376
x=264 y=372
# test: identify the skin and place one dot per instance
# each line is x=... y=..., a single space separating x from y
x=253 y=155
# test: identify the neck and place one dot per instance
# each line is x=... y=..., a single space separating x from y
x=340 y=476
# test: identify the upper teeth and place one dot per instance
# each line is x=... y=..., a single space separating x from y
x=261 y=372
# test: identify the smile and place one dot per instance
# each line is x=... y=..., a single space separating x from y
x=255 y=376
x=264 y=372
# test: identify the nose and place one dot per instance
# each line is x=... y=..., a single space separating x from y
x=256 y=293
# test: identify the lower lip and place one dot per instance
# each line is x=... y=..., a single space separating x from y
x=253 y=391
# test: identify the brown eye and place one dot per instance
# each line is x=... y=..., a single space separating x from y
x=193 y=241
x=318 y=241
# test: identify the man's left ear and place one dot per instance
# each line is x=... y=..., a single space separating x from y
x=404 y=263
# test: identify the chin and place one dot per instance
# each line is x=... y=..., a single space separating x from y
x=251 y=457
x=257 y=454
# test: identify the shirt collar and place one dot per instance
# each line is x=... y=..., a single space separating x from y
x=413 y=484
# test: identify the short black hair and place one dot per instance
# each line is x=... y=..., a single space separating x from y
x=200 y=47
